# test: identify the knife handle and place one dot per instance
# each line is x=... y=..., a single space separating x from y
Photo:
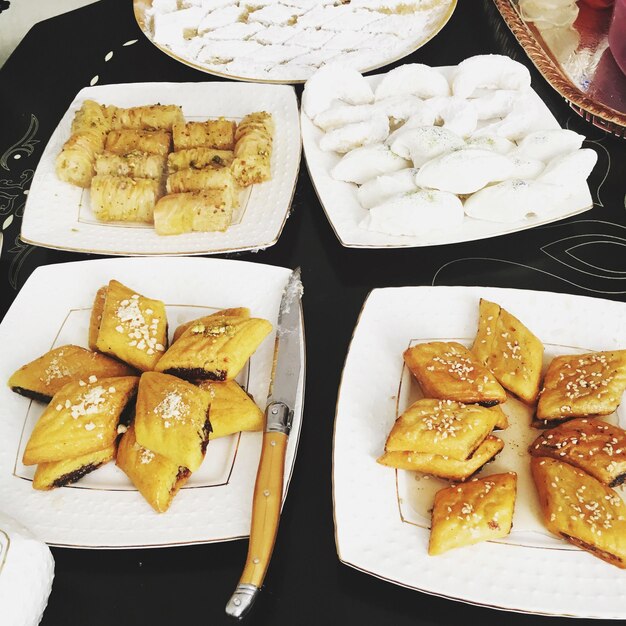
x=268 y=495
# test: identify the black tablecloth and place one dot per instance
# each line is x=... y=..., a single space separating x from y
x=306 y=583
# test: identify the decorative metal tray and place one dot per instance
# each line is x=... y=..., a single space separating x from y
x=576 y=60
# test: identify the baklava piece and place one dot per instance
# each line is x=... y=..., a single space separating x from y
x=234 y=312
x=591 y=445
x=150 y=117
x=62 y=473
x=124 y=199
x=132 y=328
x=253 y=149
x=81 y=418
x=126 y=141
x=215 y=349
x=479 y=510
x=172 y=419
x=156 y=477
x=444 y=466
x=232 y=410
x=133 y=165
x=513 y=354
x=441 y=427
x=199 y=159
x=582 y=385
x=42 y=378
x=449 y=371
x=581 y=509
x=217 y=134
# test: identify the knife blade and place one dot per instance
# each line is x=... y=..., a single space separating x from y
x=268 y=489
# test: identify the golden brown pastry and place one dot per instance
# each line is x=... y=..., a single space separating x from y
x=253 y=149
x=235 y=312
x=581 y=509
x=92 y=118
x=216 y=349
x=479 y=510
x=132 y=165
x=582 y=385
x=127 y=141
x=62 y=473
x=157 y=478
x=96 y=316
x=172 y=419
x=133 y=328
x=449 y=371
x=218 y=134
x=232 y=410
x=150 y=117
x=199 y=159
x=503 y=420
x=201 y=180
x=201 y=211
x=75 y=162
x=444 y=466
x=81 y=418
x=505 y=346
x=124 y=199
x=42 y=378
x=441 y=427
x=593 y=446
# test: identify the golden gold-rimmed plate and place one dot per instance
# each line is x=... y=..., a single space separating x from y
x=381 y=44
x=382 y=519
x=58 y=215
x=104 y=510
x=575 y=60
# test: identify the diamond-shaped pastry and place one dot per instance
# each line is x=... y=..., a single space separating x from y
x=505 y=346
x=441 y=427
x=479 y=510
x=42 y=378
x=157 y=478
x=449 y=371
x=132 y=328
x=81 y=418
x=581 y=385
x=581 y=509
x=235 y=312
x=172 y=419
x=444 y=466
x=592 y=445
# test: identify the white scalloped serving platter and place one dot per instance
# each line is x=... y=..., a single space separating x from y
x=58 y=215
x=103 y=510
x=344 y=212
x=378 y=529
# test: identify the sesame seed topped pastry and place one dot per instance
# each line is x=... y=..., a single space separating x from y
x=503 y=420
x=594 y=446
x=234 y=312
x=581 y=509
x=441 y=427
x=62 y=473
x=172 y=419
x=582 y=385
x=81 y=418
x=132 y=328
x=232 y=410
x=509 y=350
x=42 y=378
x=444 y=466
x=479 y=510
x=215 y=349
x=156 y=477
x=449 y=371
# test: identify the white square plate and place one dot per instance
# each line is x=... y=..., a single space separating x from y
x=381 y=515
x=344 y=211
x=104 y=510
x=59 y=215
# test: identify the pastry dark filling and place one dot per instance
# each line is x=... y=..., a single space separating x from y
x=27 y=393
x=77 y=474
x=206 y=429
x=128 y=413
x=618 y=480
x=196 y=373
x=489 y=403
x=602 y=554
x=182 y=474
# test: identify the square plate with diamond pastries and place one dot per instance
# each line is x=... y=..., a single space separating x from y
x=103 y=509
x=382 y=515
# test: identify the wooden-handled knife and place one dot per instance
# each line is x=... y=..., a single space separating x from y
x=268 y=489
